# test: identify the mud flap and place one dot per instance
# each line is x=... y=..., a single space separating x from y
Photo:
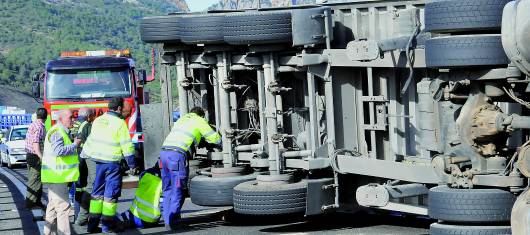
x=319 y=196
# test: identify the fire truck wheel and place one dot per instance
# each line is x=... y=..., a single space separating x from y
x=252 y=198
x=258 y=27
x=464 y=16
x=470 y=205
x=160 y=29
x=446 y=229
x=465 y=50
x=202 y=29
x=211 y=191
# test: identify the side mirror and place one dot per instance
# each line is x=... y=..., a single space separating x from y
x=142 y=76
x=35 y=89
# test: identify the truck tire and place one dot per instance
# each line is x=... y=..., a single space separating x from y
x=253 y=199
x=470 y=205
x=160 y=29
x=208 y=191
x=446 y=229
x=258 y=27
x=460 y=51
x=202 y=29
x=464 y=16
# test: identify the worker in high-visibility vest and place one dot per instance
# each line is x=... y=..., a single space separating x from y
x=145 y=209
x=59 y=167
x=185 y=135
x=108 y=143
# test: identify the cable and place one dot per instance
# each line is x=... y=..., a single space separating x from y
x=512 y=95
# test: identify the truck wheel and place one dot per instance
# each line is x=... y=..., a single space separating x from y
x=208 y=191
x=468 y=15
x=258 y=27
x=252 y=198
x=446 y=229
x=459 y=51
x=202 y=29
x=470 y=205
x=160 y=29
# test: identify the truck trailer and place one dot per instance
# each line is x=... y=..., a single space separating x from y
x=416 y=106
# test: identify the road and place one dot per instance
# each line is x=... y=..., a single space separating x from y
x=226 y=222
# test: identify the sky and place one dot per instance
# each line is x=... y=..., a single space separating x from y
x=200 y=5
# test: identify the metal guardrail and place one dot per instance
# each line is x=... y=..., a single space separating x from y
x=8 y=120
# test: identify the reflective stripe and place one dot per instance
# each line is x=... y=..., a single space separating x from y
x=109 y=208
x=60 y=167
x=186 y=133
x=126 y=142
x=103 y=156
x=145 y=203
x=178 y=144
x=96 y=206
x=98 y=141
x=210 y=134
x=144 y=213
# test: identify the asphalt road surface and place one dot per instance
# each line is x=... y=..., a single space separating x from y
x=226 y=222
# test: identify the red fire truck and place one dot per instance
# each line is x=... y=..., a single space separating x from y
x=89 y=79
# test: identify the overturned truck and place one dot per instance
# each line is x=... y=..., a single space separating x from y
x=411 y=106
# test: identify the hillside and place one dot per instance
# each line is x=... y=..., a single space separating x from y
x=35 y=31
x=12 y=97
x=247 y=4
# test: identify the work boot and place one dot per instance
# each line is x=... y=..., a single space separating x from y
x=93 y=226
x=112 y=226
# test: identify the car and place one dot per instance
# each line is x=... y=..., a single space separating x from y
x=12 y=146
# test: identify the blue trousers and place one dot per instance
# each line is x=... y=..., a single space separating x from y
x=105 y=193
x=174 y=171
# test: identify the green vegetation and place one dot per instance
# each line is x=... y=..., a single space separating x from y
x=35 y=31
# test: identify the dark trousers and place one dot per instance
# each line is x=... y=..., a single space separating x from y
x=87 y=174
x=34 y=185
x=174 y=171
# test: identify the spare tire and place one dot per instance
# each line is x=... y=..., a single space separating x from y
x=253 y=199
x=160 y=29
x=464 y=16
x=470 y=205
x=202 y=29
x=208 y=191
x=446 y=229
x=258 y=27
x=466 y=50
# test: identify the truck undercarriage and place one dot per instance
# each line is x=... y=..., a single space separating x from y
x=397 y=105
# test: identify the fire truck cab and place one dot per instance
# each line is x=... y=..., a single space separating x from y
x=89 y=79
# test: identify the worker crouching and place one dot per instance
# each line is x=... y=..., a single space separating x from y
x=108 y=143
x=186 y=134
x=145 y=209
